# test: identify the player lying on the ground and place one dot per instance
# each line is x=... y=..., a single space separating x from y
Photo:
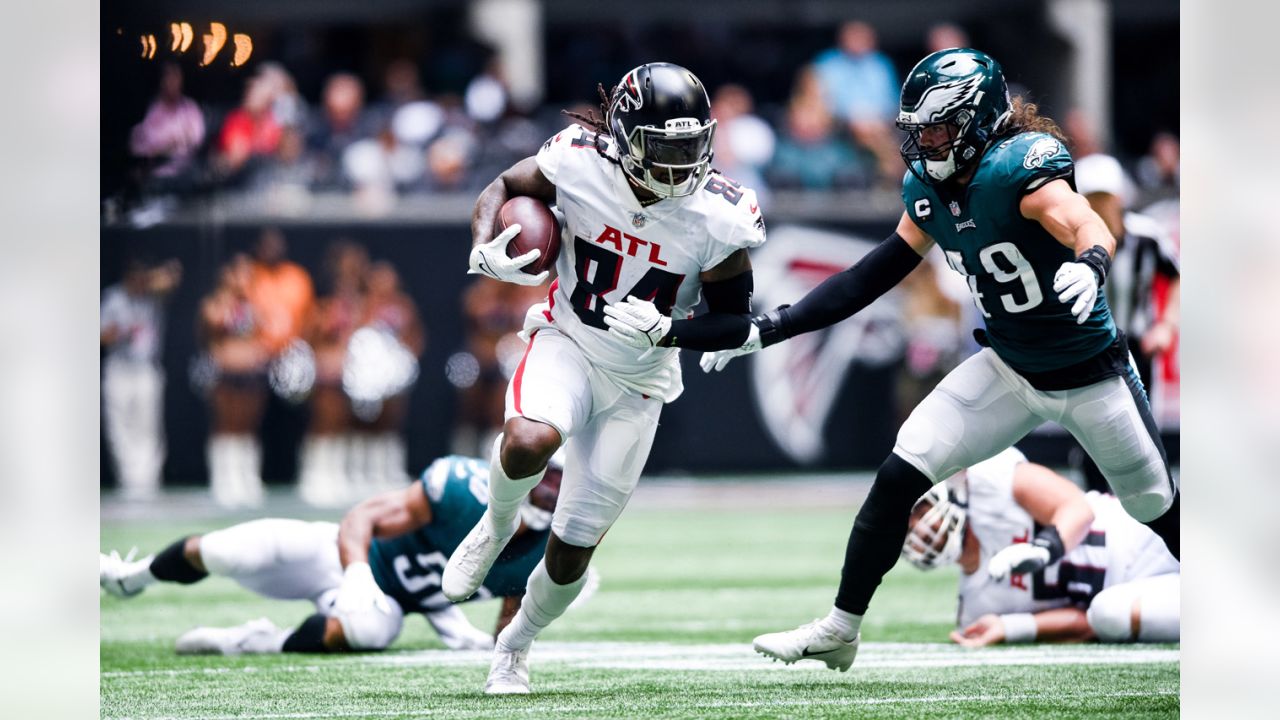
x=1115 y=581
x=382 y=561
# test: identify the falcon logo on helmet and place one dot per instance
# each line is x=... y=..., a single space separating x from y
x=964 y=92
x=629 y=97
x=661 y=117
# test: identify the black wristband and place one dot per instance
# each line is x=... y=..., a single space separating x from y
x=771 y=325
x=1098 y=260
x=1049 y=539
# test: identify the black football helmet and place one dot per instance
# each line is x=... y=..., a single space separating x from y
x=661 y=117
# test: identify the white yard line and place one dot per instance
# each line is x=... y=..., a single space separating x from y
x=545 y=710
x=717 y=657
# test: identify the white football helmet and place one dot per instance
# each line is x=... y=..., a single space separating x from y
x=937 y=536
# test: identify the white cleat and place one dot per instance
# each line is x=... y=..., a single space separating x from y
x=470 y=563
x=456 y=632
x=509 y=673
x=811 y=641
x=117 y=575
x=254 y=637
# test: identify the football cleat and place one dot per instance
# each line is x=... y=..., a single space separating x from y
x=811 y=641
x=118 y=575
x=254 y=637
x=470 y=563
x=509 y=673
x=456 y=632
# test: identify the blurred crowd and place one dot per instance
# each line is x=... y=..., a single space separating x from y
x=350 y=355
x=388 y=137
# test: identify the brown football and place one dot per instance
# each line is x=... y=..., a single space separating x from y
x=538 y=229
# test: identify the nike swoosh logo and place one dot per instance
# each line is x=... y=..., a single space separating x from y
x=806 y=652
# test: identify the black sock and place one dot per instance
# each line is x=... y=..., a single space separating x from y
x=171 y=565
x=1168 y=528
x=308 y=638
x=878 y=532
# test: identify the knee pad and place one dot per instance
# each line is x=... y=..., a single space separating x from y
x=897 y=487
x=1147 y=504
x=372 y=629
x=1111 y=615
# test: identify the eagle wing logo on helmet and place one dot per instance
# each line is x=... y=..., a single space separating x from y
x=939 y=101
x=629 y=97
x=1040 y=150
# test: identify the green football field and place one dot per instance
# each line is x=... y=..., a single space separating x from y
x=668 y=634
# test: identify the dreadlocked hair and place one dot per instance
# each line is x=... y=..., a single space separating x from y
x=591 y=121
x=1025 y=117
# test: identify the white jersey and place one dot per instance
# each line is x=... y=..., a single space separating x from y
x=612 y=247
x=1116 y=550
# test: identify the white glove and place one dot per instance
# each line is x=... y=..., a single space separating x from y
x=636 y=322
x=490 y=259
x=1077 y=280
x=718 y=359
x=359 y=592
x=1017 y=559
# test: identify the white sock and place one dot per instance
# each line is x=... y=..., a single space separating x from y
x=137 y=574
x=221 y=457
x=844 y=624
x=544 y=601
x=506 y=494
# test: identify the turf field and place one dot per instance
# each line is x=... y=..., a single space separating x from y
x=686 y=583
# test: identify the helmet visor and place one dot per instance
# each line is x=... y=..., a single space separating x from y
x=672 y=157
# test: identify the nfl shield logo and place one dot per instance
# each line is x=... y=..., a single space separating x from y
x=638 y=220
x=955 y=208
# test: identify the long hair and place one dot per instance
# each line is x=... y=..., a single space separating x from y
x=1025 y=117
x=595 y=123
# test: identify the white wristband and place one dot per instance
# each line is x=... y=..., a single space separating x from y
x=1019 y=627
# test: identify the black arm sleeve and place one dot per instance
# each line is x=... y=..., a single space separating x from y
x=725 y=325
x=847 y=292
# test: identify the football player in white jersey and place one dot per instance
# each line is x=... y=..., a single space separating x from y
x=648 y=230
x=1043 y=561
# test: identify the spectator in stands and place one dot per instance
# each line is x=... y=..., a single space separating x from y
x=131 y=328
x=494 y=312
x=937 y=329
x=1143 y=253
x=249 y=132
x=1082 y=136
x=860 y=85
x=943 y=36
x=287 y=106
x=1159 y=169
x=173 y=129
x=744 y=143
x=230 y=331
x=280 y=290
x=810 y=154
x=379 y=442
x=341 y=123
x=323 y=479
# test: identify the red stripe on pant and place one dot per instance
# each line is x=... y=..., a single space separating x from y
x=520 y=372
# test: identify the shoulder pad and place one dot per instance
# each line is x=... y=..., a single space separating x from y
x=1025 y=162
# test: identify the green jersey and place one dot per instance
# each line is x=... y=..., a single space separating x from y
x=408 y=567
x=1008 y=260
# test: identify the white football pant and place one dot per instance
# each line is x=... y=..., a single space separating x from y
x=296 y=560
x=984 y=406
x=612 y=429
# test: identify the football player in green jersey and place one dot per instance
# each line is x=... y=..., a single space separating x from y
x=364 y=574
x=990 y=181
